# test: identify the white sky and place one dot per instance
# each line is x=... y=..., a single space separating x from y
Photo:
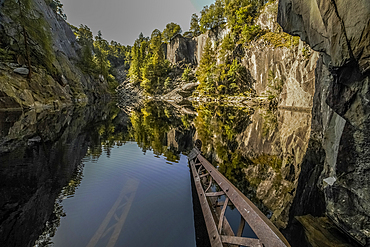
x=123 y=20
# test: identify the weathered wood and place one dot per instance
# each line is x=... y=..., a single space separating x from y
x=266 y=232
x=250 y=242
x=222 y=215
x=241 y=227
x=211 y=194
x=213 y=235
x=262 y=227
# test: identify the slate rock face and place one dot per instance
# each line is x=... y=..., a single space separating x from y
x=181 y=49
x=338 y=28
x=340 y=31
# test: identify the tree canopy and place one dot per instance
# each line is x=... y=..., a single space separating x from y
x=170 y=31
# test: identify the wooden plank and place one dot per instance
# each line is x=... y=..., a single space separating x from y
x=219 y=193
x=213 y=235
x=262 y=227
x=250 y=242
x=222 y=215
x=241 y=227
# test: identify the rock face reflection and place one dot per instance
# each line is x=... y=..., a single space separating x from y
x=276 y=143
x=40 y=154
x=259 y=151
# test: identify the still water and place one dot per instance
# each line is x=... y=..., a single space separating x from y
x=129 y=199
x=108 y=175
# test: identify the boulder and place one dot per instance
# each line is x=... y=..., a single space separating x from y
x=21 y=71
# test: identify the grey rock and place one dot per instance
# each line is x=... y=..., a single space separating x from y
x=340 y=31
x=21 y=71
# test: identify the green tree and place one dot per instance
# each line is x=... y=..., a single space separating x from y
x=57 y=6
x=138 y=58
x=227 y=47
x=212 y=17
x=188 y=34
x=194 y=25
x=101 y=47
x=206 y=69
x=85 y=40
x=170 y=31
x=156 y=69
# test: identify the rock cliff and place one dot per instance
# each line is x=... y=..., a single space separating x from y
x=340 y=31
x=67 y=83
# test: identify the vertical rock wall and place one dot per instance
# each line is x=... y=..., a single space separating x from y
x=340 y=31
x=289 y=65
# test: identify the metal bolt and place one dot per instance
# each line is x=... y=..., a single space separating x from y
x=214 y=236
x=227 y=189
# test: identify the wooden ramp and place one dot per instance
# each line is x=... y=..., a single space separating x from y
x=219 y=230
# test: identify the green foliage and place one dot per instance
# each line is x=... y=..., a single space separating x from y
x=171 y=30
x=238 y=13
x=150 y=125
x=167 y=83
x=186 y=75
x=148 y=66
x=212 y=17
x=85 y=40
x=138 y=58
x=281 y=39
x=57 y=7
x=227 y=47
x=194 y=25
x=155 y=71
x=229 y=77
x=206 y=69
x=6 y=55
x=188 y=34
x=269 y=123
x=251 y=32
x=118 y=54
x=217 y=127
x=306 y=52
x=275 y=86
x=101 y=47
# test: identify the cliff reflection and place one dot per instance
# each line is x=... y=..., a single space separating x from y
x=40 y=156
x=259 y=151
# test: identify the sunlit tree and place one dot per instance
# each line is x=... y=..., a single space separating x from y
x=170 y=31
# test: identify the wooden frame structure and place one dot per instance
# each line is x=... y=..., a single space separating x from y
x=218 y=228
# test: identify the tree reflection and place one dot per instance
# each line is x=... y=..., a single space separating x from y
x=150 y=127
x=110 y=131
x=217 y=127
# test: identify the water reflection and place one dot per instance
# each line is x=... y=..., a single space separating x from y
x=162 y=128
x=40 y=153
x=258 y=150
x=43 y=157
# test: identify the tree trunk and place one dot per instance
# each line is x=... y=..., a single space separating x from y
x=27 y=53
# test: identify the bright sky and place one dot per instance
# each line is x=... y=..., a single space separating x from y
x=123 y=20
